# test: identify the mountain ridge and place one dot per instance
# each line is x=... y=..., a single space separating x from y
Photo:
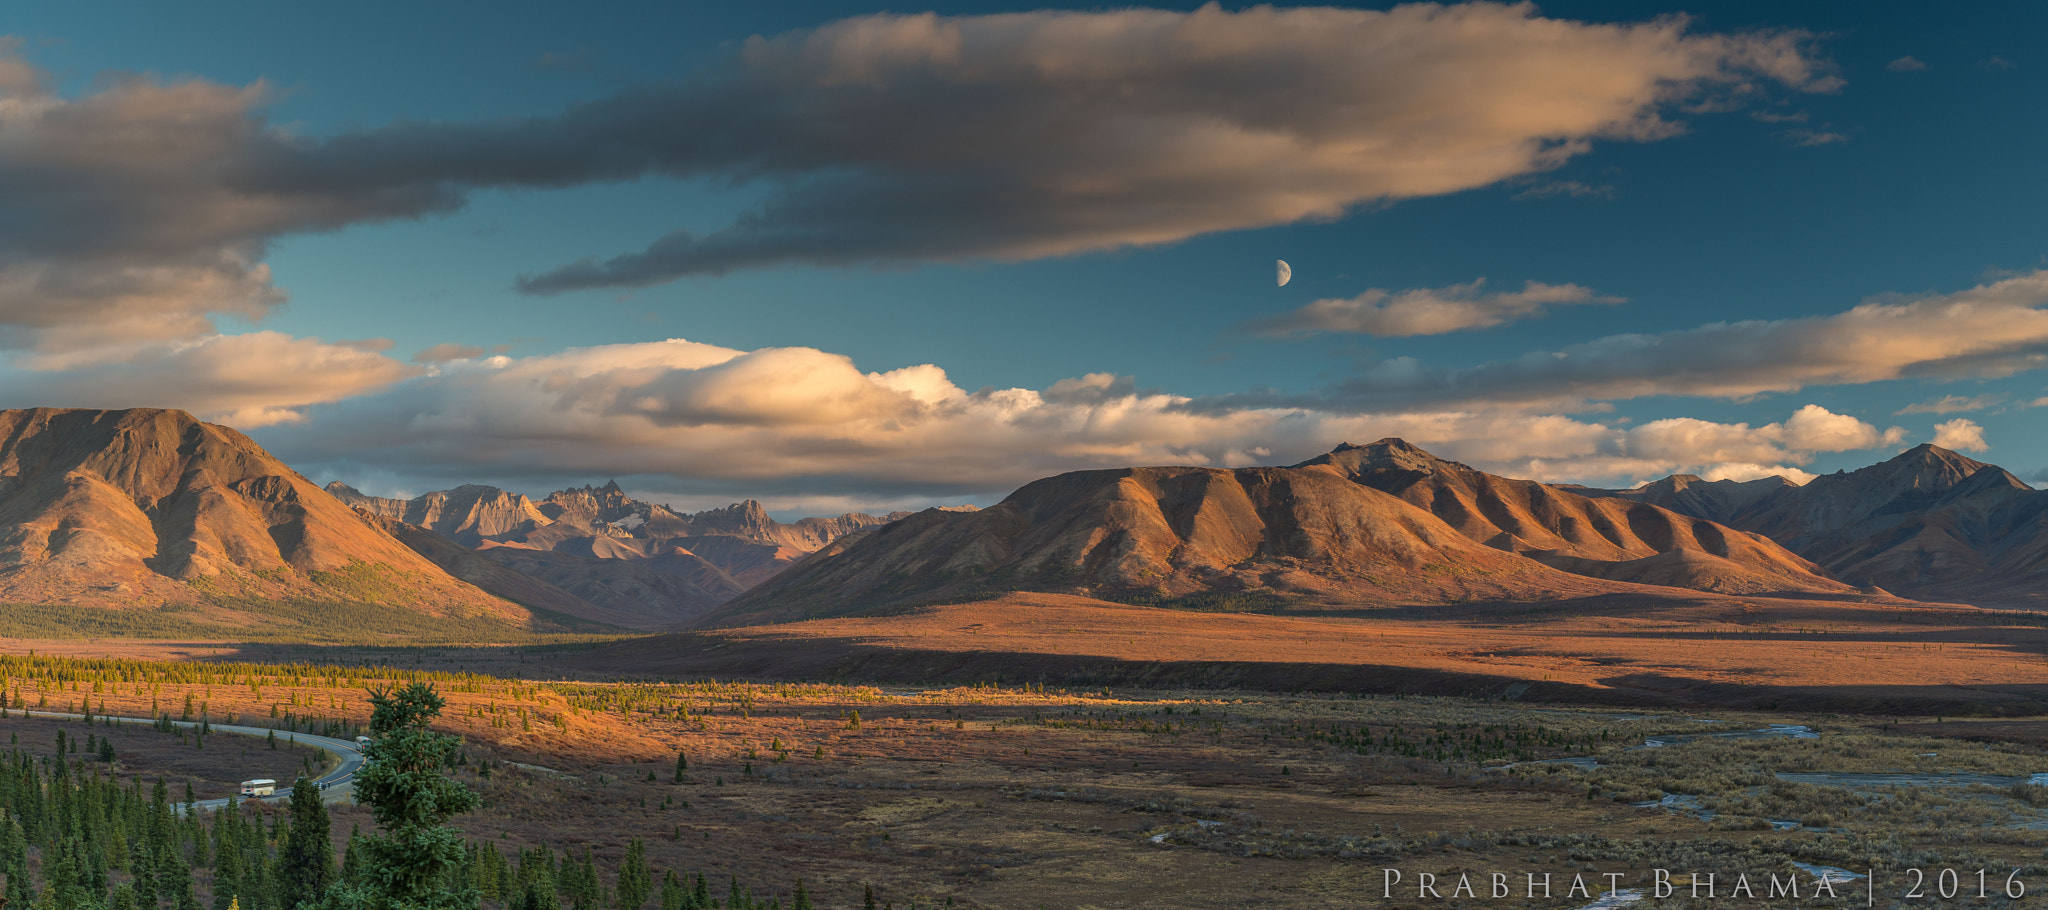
x=147 y=508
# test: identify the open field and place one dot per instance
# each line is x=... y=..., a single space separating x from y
x=1161 y=761
x=1806 y=654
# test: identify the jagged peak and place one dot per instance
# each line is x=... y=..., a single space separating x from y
x=1390 y=453
x=611 y=486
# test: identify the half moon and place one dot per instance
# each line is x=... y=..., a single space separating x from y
x=1282 y=272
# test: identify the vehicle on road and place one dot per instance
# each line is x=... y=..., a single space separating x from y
x=261 y=786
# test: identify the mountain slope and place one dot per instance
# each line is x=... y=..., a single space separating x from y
x=1719 y=501
x=1928 y=523
x=147 y=508
x=1594 y=536
x=1163 y=533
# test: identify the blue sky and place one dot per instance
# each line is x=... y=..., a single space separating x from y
x=1800 y=163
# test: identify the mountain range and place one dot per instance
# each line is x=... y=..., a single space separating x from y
x=1385 y=523
x=631 y=563
x=1929 y=524
x=147 y=511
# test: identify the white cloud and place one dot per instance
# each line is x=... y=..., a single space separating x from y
x=1427 y=311
x=1906 y=64
x=1742 y=471
x=1960 y=434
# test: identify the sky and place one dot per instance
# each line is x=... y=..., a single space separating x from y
x=833 y=256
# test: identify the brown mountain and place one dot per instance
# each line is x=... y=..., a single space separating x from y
x=1714 y=500
x=147 y=508
x=1600 y=537
x=641 y=564
x=1929 y=523
x=1199 y=535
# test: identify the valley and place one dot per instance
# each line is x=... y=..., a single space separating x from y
x=1007 y=796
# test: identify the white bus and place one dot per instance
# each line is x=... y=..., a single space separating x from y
x=262 y=786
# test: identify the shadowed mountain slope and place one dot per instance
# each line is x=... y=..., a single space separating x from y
x=1200 y=535
x=1718 y=501
x=1928 y=523
x=1595 y=536
x=147 y=508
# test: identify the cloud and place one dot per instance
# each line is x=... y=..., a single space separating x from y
x=249 y=380
x=373 y=345
x=1905 y=64
x=1960 y=434
x=1953 y=404
x=1987 y=331
x=130 y=215
x=447 y=351
x=1571 y=188
x=1744 y=471
x=1039 y=134
x=141 y=209
x=1815 y=137
x=1427 y=311
x=793 y=422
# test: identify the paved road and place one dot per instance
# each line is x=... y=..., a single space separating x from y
x=337 y=785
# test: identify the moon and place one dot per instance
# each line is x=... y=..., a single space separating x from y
x=1282 y=272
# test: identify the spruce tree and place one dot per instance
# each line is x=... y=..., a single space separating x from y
x=673 y=895
x=305 y=861
x=411 y=863
x=635 y=882
x=682 y=766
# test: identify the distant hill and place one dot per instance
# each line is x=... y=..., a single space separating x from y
x=152 y=511
x=1587 y=535
x=1930 y=523
x=638 y=563
x=1200 y=536
x=1385 y=523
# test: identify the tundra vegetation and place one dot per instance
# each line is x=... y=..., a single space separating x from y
x=593 y=794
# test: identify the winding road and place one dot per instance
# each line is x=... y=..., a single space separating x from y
x=335 y=786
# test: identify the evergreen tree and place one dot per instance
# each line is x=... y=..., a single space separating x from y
x=682 y=766
x=176 y=877
x=410 y=864
x=635 y=882
x=673 y=895
x=305 y=862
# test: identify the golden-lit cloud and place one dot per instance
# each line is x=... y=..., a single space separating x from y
x=141 y=209
x=250 y=380
x=1991 y=330
x=783 y=421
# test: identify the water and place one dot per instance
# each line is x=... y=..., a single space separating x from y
x=1855 y=780
x=1829 y=874
x=1791 y=731
x=1614 y=899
